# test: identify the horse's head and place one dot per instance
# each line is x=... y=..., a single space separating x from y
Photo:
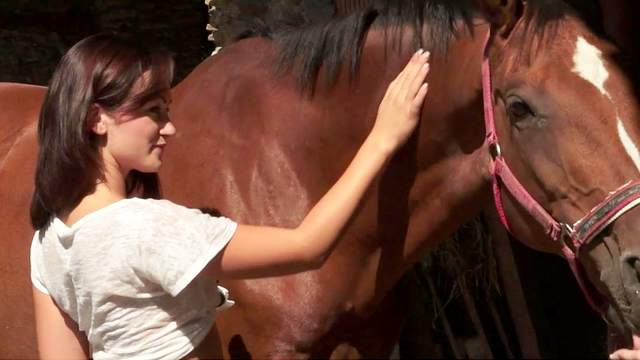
x=567 y=124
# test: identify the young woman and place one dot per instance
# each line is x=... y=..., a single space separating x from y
x=117 y=276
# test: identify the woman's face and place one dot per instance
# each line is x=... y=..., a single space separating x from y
x=136 y=141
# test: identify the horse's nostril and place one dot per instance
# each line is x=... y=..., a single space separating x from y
x=633 y=266
x=636 y=265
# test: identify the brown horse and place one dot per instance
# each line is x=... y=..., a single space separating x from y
x=256 y=147
x=274 y=152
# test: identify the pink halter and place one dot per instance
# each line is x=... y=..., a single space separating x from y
x=571 y=237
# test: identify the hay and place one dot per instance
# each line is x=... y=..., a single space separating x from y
x=467 y=258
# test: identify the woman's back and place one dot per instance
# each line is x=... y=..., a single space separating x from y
x=126 y=274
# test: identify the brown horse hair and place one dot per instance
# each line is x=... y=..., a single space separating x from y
x=99 y=70
x=305 y=47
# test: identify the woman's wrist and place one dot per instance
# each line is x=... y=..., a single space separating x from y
x=379 y=144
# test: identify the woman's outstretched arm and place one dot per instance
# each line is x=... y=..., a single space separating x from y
x=260 y=251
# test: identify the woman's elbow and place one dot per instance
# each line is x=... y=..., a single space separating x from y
x=311 y=255
x=316 y=259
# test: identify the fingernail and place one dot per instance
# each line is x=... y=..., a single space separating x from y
x=419 y=52
x=426 y=55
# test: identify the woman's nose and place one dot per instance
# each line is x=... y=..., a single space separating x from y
x=168 y=129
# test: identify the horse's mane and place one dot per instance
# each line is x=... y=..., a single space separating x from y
x=306 y=47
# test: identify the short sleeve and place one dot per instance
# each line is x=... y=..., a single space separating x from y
x=35 y=259
x=179 y=244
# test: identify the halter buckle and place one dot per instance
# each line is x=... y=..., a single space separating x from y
x=566 y=236
x=495 y=151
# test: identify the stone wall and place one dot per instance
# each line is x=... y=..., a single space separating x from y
x=230 y=18
x=34 y=34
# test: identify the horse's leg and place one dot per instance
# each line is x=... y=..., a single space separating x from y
x=375 y=336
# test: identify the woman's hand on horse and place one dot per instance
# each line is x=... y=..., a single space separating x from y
x=401 y=106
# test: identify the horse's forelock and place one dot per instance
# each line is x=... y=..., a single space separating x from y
x=541 y=23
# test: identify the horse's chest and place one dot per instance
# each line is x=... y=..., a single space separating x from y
x=303 y=304
x=295 y=315
x=307 y=306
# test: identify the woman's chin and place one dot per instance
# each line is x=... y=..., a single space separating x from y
x=151 y=168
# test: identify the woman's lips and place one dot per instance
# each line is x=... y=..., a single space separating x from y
x=160 y=149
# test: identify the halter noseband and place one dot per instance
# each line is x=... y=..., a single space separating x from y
x=571 y=237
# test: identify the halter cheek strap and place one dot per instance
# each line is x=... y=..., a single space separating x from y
x=571 y=237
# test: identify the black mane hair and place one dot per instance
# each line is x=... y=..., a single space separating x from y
x=306 y=48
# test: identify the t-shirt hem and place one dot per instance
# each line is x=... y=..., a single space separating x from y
x=174 y=354
x=200 y=264
x=196 y=341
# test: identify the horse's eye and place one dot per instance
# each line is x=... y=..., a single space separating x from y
x=519 y=110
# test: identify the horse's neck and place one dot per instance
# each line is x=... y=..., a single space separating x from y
x=445 y=169
x=431 y=187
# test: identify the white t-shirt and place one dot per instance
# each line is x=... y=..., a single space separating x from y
x=127 y=275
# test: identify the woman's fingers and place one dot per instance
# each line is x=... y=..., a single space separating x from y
x=419 y=77
x=413 y=75
x=409 y=87
x=420 y=96
x=401 y=79
x=399 y=111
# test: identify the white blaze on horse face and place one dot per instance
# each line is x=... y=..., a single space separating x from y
x=628 y=144
x=589 y=65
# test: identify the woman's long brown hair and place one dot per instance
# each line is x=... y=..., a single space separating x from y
x=99 y=70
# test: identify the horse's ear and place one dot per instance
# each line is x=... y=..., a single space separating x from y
x=502 y=14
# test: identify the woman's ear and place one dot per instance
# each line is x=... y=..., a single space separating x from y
x=97 y=120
